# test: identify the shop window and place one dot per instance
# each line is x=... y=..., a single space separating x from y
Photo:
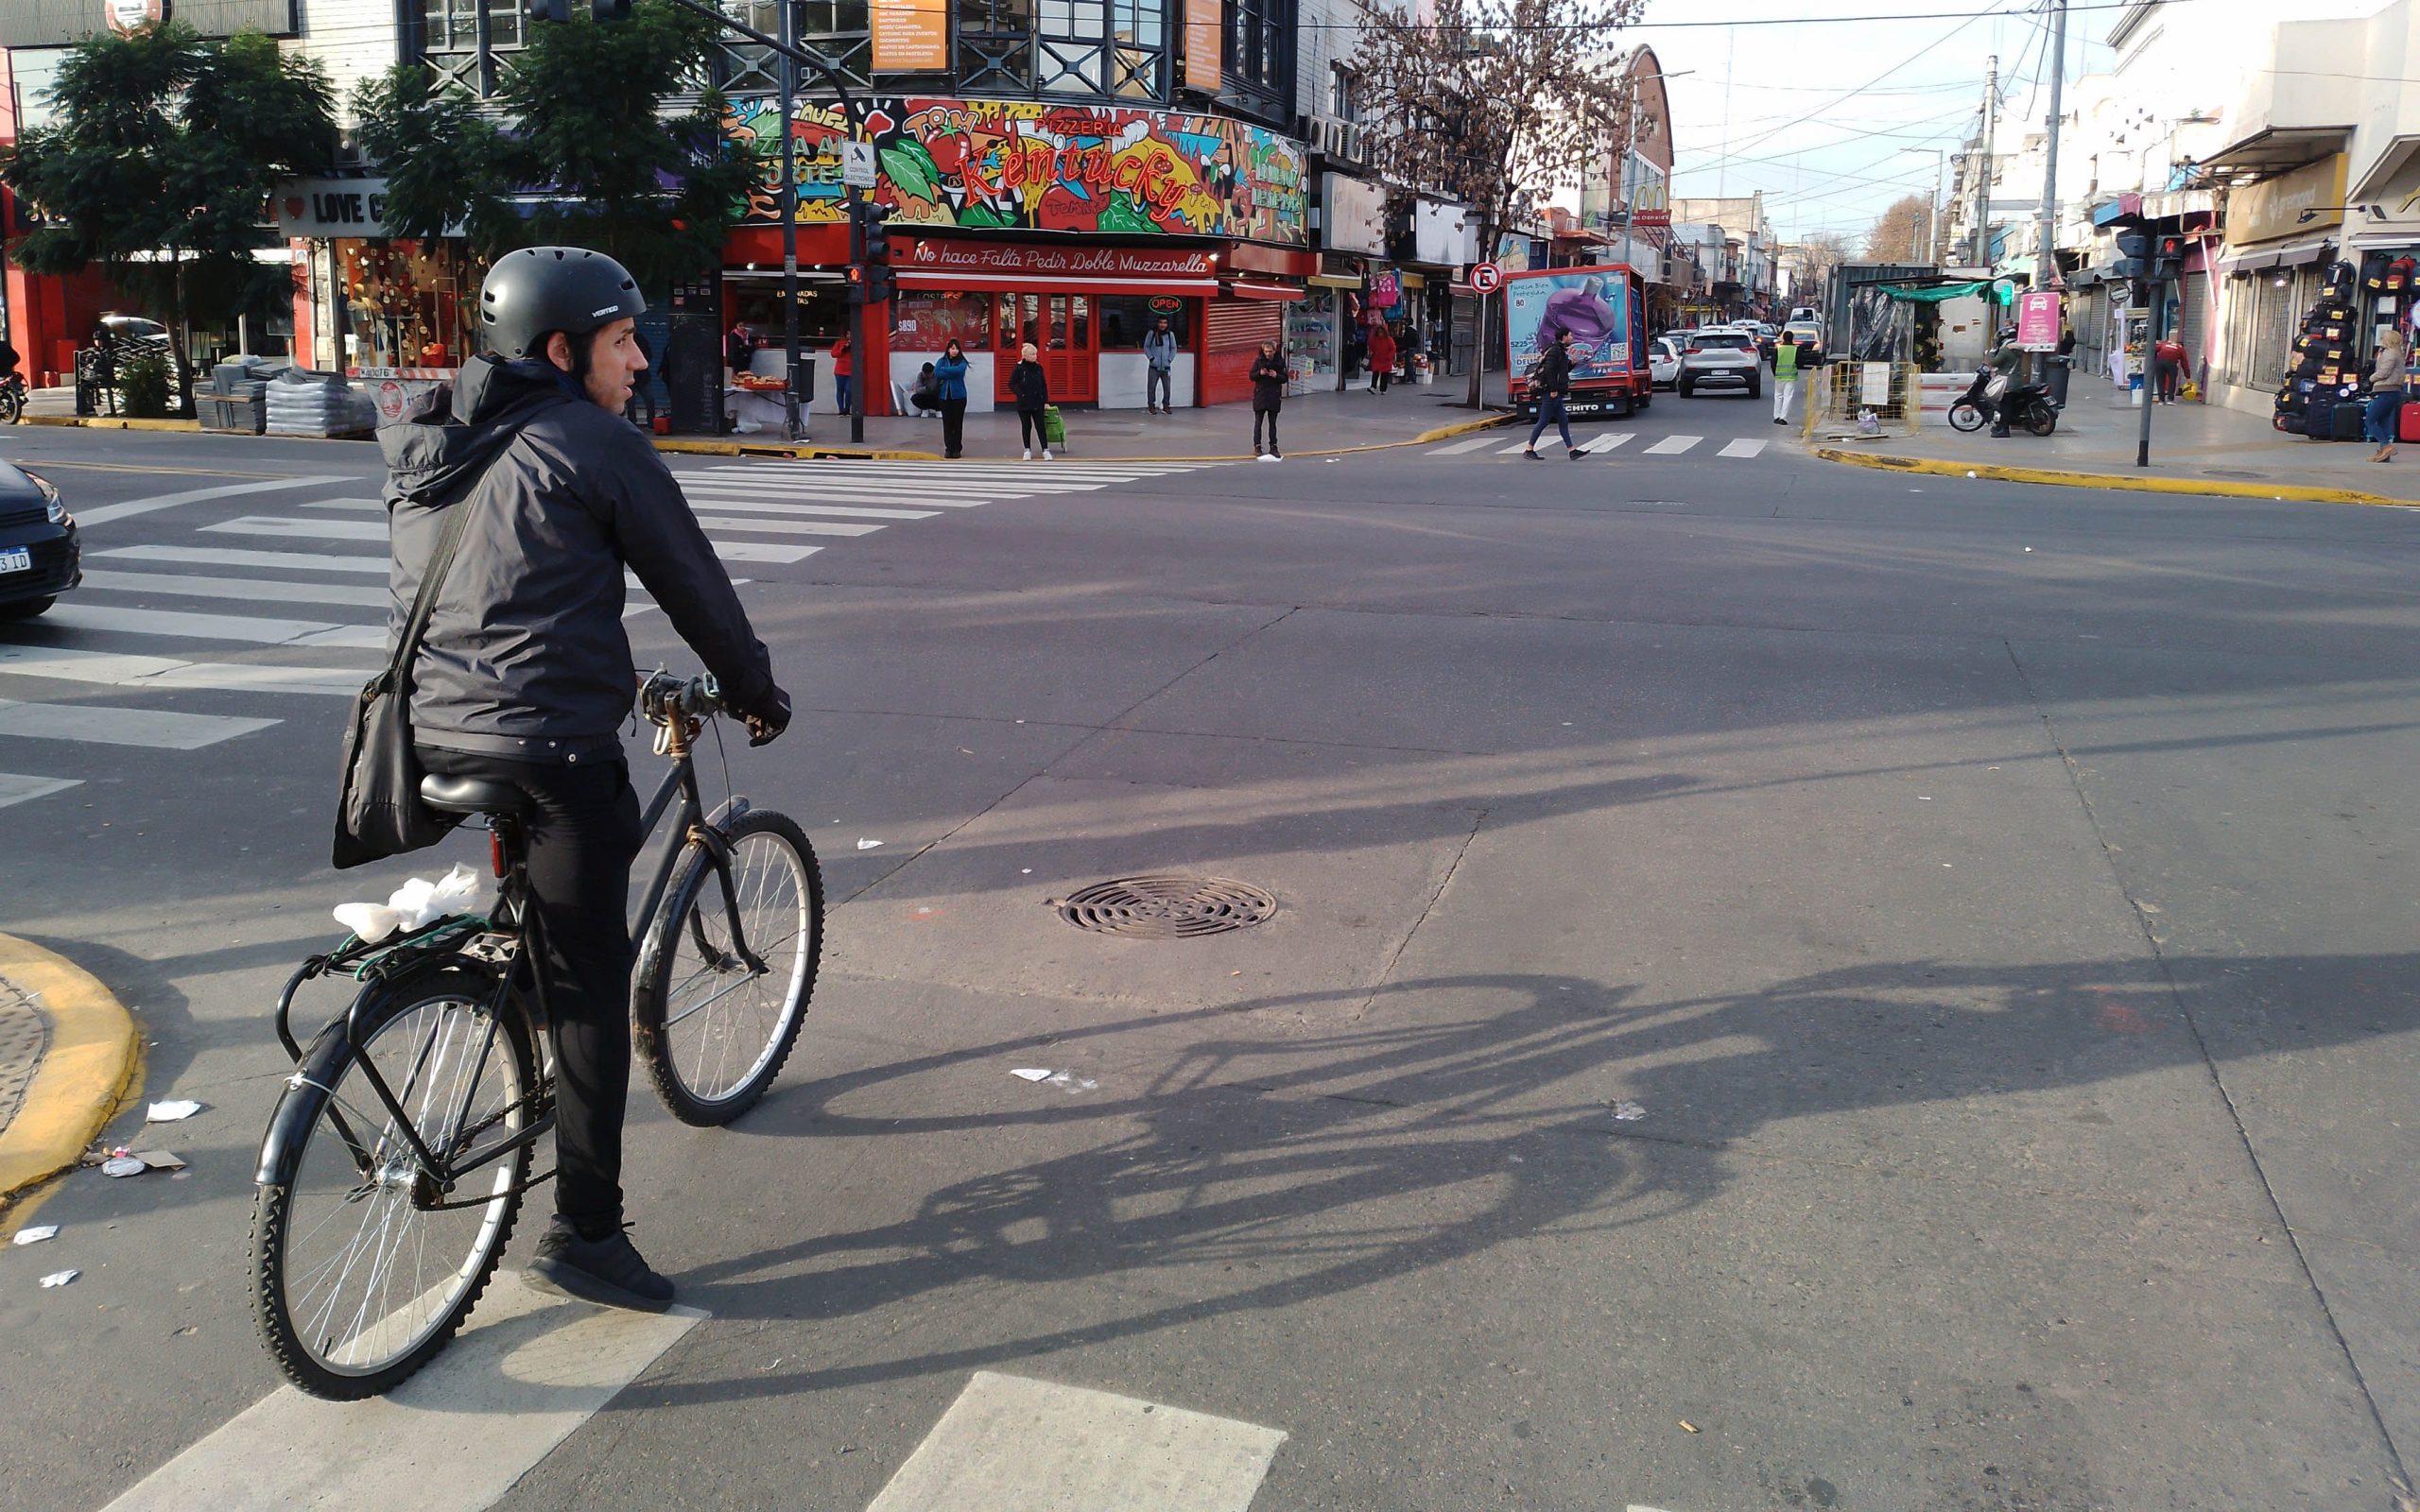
x=1089 y=47
x=929 y=321
x=836 y=29
x=410 y=303
x=1260 y=71
x=756 y=302
x=449 y=40
x=1126 y=319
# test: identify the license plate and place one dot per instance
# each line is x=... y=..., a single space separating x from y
x=16 y=558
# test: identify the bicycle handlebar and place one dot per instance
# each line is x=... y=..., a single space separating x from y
x=663 y=698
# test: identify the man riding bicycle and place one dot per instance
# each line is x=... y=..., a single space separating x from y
x=524 y=675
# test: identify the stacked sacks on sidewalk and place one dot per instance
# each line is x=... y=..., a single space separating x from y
x=302 y=403
x=2324 y=374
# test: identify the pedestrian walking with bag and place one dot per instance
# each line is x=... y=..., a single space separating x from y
x=1382 y=356
x=1030 y=386
x=1159 y=351
x=2381 y=416
x=949 y=384
x=2168 y=364
x=1267 y=397
x=1785 y=377
x=1550 y=380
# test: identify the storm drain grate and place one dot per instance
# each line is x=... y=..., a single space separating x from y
x=1166 y=908
x=2232 y=473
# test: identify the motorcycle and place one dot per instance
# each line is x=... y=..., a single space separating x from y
x=2026 y=405
x=12 y=398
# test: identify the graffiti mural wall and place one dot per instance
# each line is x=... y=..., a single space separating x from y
x=1029 y=165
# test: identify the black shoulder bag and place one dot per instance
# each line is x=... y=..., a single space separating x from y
x=379 y=813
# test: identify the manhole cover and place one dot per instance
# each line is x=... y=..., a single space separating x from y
x=1166 y=908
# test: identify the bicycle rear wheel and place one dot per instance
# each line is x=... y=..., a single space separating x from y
x=712 y=1030
x=359 y=1276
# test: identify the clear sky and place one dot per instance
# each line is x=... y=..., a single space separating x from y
x=1835 y=121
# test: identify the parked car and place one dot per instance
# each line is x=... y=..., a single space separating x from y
x=1810 y=342
x=1664 y=362
x=1722 y=356
x=39 y=557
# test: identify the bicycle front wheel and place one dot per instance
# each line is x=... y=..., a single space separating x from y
x=364 y=1265
x=711 y=1026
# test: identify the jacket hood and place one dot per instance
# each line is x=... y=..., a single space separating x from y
x=429 y=458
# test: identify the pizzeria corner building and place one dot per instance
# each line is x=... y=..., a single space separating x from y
x=1074 y=227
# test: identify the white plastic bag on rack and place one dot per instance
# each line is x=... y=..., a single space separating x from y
x=417 y=902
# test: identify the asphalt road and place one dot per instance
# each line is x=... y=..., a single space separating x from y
x=1995 y=900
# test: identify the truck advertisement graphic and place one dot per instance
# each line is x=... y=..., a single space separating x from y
x=1600 y=307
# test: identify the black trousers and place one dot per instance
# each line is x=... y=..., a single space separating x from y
x=1029 y=426
x=1257 y=416
x=953 y=426
x=581 y=839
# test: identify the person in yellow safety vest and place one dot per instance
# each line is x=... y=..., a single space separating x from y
x=1785 y=377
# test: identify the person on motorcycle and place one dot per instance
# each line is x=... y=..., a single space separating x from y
x=524 y=675
x=2006 y=360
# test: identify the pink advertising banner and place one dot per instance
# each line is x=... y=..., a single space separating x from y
x=2037 y=319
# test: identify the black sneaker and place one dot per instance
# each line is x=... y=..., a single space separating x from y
x=606 y=1271
x=1577 y=454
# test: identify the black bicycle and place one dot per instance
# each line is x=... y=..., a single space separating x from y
x=396 y=1160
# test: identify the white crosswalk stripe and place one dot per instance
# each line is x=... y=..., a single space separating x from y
x=1509 y=451
x=1674 y=445
x=1600 y=444
x=1742 y=448
x=1457 y=448
x=315 y=589
x=158 y=729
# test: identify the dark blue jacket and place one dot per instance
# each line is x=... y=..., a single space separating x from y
x=949 y=375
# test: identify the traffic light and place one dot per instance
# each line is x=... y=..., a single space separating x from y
x=560 y=10
x=871 y=284
x=2133 y=247
x=2168 y=257
x=869 y=234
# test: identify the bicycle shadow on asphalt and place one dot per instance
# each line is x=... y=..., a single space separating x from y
x=1256 y=1173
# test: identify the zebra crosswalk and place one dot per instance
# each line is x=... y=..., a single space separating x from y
x=1492 y=446
x=279 y=607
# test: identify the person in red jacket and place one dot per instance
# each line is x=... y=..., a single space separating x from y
x=843 y=372
x=1382 y=356
x=2168 y=359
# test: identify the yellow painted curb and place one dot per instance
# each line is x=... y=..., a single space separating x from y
x=116 y=422
x=2117 y=481
x=87 y=1070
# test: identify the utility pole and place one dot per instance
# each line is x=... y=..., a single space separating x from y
x=792 y=429
x=1983 y=169
x=2046 y=270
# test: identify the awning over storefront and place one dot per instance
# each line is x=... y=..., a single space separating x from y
x=2294 y=254
x=2274 y=150
x=1053 y=284
x=1243 y=290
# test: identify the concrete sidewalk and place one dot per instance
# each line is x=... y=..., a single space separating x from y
x=2195 y=449
x=1326 y=421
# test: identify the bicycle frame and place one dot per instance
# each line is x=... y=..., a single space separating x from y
x=514 y=918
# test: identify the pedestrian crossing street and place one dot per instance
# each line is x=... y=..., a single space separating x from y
x=1492 y=446
x=284 y=605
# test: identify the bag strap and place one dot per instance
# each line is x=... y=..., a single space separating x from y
x=441 y=561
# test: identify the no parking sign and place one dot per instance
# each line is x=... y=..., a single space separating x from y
x=1486 y=278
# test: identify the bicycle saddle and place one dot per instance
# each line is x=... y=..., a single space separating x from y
x=472 y=794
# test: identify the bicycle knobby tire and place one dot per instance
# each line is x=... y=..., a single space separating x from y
x=299 y=1130
x=767 y=849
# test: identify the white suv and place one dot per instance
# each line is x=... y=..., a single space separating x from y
x=1721 y=355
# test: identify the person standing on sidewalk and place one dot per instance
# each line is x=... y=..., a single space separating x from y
x=1382 y=356
x=1268 y=398
x=1550 y=380
x=1159 y=351
x=1785 y=377
x=843 y=373
x=1030 y=386
x=949 y=379
x=2381 y=417
x=2169 y=360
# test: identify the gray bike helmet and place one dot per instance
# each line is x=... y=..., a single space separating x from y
x=539 y=290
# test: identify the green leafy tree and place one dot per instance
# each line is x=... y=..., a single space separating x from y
x=157 y=168
x=583 y=153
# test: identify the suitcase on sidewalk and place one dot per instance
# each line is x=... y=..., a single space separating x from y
x=2349 y=420
x=2319 y=418
x=2406 y=422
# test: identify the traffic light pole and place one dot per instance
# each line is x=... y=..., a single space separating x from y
x=2151 y=371
x=792 y=429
